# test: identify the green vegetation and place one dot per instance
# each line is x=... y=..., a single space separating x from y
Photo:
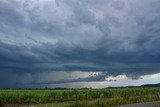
x=80 y=98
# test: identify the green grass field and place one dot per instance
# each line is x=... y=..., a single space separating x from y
x=79 y=98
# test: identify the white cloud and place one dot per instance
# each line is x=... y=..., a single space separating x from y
x=116 y=78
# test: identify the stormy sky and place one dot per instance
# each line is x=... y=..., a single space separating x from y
x=79 y=43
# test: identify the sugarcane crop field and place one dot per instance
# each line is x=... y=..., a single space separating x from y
x=77 y=97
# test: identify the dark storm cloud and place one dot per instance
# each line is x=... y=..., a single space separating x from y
x=21 y=59
x=111 y=36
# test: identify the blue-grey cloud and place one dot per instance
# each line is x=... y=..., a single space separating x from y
x=110 y=36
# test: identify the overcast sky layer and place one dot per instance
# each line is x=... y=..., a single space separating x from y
x=60 y=43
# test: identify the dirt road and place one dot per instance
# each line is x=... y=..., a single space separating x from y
x=148 y=104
